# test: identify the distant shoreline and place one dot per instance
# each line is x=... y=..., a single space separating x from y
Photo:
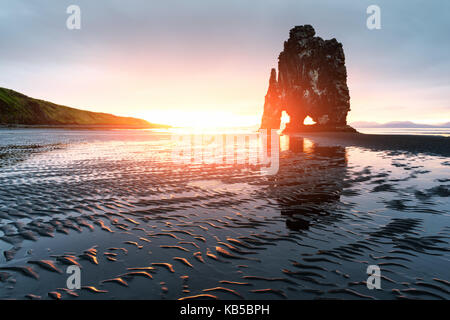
x=80 y=126
x=430 y=144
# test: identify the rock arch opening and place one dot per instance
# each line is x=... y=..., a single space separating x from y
x=308 y=121
x=284 y=120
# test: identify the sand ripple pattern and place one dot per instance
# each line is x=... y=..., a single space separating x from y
x=141 y=226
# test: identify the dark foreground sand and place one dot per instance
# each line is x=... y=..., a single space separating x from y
x=142 y=226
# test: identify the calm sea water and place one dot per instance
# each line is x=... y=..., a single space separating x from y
x=144 y=226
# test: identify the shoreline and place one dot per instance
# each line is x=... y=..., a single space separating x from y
x=429 y=144
x=414 y=143
x=80 y=126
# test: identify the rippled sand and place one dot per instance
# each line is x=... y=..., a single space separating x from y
x=144 y=227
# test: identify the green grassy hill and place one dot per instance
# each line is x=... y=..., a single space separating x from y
x=18 y=109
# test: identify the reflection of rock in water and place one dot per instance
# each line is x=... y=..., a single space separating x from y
x=309 y=183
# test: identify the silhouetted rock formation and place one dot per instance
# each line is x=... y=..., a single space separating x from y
x=312 y=81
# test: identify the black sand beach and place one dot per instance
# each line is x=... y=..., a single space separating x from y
x=144 y=227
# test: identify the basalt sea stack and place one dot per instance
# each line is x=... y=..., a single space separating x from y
x=312 y=81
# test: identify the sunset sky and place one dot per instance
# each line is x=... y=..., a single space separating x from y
x=182 y=62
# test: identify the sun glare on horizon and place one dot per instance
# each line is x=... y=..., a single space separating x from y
x=201 y=120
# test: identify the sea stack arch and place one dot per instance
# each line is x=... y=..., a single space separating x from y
x=311 y=81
